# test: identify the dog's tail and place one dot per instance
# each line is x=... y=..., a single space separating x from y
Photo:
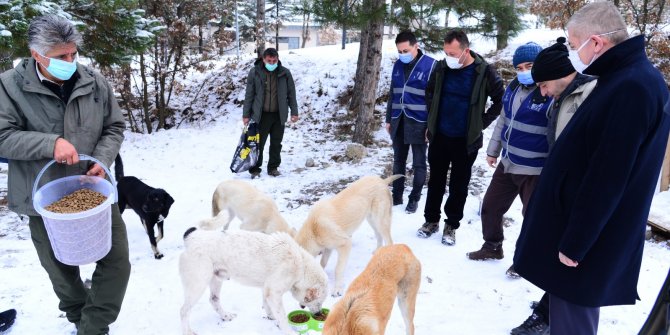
x=118 y=167
x=189 y=231
x=392 y=178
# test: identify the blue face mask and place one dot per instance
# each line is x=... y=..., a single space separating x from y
x=525 y=78
x=61 y=69
x=405 y=58
x=271 y=67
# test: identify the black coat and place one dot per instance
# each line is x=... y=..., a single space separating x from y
x=593 y=197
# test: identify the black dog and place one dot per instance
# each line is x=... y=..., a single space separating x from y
x=151 y=204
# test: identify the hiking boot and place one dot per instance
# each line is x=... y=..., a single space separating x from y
x=274 y=172
x=255 y=172
x=511 y=274
x=397 y=202
x=427 y=229
x=449 y=235
x=534 y=325
x=488 y=251
x=7 y=319
x=412 y=205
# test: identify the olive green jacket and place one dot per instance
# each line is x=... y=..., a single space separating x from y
x=255 y=93
x=32 y=117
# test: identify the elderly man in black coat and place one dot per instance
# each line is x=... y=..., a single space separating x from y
x=583 y=234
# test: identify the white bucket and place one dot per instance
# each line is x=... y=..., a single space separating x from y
x=77 y=238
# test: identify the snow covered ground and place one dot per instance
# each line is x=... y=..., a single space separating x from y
x=457 y=296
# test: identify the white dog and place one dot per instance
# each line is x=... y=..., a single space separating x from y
x=257 y=211
x=332 y=222
x=274 y=262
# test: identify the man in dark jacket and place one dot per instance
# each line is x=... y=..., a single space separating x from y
x=270 y=93
x=556 y=78
x=51 y=107
x=457 y=94
x=406 y=115
x=583 y=234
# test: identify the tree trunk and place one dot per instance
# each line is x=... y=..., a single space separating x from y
x=503 y=27
x=145 y=94
x=360 y=68
x=305 y=28
x=260 y=27
x=392 y=8
x=370 y=78
x=5 y=61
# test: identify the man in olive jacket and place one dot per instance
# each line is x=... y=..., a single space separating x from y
x=270 y=93
x=51 y=107
x=457 y=94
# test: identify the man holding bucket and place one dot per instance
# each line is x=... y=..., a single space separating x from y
x=51 y=107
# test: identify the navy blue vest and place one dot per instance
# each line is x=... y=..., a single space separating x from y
x=409 y=97
x=524 y=136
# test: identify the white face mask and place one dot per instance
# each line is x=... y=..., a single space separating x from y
x=453 y=62
x=573 y=55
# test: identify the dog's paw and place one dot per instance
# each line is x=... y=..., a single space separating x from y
x=158 y=255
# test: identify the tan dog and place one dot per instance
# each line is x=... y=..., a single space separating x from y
x=331 y=222
x=257 y=211
x=366 y=307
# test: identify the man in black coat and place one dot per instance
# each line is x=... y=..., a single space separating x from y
x=583 y=234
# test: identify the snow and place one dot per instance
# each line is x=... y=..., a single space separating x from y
x=457 y=296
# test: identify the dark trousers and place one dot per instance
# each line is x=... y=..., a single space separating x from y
x=500 y=195
x=567 y=318
x=93 y=310
x=400 y=152
x=445 y=152
x=270 y=125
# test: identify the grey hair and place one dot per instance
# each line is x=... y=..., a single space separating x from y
x=46 y=32
x=599 y=18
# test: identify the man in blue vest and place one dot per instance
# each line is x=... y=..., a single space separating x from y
x=457 y=93
x=521 y=135
x=406 y=115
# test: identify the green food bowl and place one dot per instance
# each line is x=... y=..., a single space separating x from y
x=304 y=322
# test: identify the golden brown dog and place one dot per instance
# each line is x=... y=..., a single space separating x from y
x=366 y=307
x=331 y=222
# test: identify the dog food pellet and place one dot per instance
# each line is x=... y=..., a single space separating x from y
x=299 y=318
x=321 y=316
x=77 y=201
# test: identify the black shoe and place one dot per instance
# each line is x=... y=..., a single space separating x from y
x=412 y=205
x=511 y=273
x=534 y=325
x=274 y=172
x=255 y=172
x=7 y=319
x=427 y=229
x=487 y=251
x=397 y=200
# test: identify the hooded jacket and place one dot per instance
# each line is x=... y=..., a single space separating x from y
x=32 y=117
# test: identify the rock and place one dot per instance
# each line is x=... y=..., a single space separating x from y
x=356 y=152
x=310 y=163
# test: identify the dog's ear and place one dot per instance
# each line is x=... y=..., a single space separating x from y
x=311 y=294
x=168 y=203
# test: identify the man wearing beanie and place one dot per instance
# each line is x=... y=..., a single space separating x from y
x=557 y=78
x=520 y=140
